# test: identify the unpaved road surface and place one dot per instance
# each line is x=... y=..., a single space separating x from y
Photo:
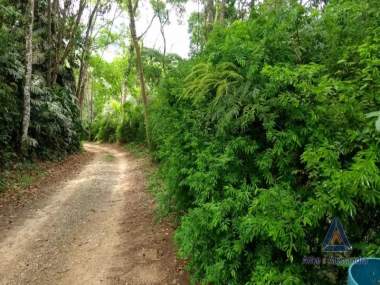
x=96 y=228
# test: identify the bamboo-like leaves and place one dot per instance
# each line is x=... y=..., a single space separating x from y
x=211 y=82
x=375 y=114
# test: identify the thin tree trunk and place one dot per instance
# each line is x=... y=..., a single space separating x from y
x=140 y=70
x=28 y=77
x=73 y=30
x=55 y=27
x=164 y=52
x=83 y=60
x=163 y=17
x=60 y=35
x=91 y=105
x=50 y=43
x=81 y=82
x=222 y=11
x=83 y=87
x=210 y=15
x=58 y=58
x=210 y=12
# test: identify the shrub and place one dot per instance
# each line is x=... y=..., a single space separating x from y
x=267 y=140
x=119 y=123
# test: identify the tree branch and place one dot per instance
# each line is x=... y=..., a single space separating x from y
x=147 y=28
x=134 y=9
x=73 y=29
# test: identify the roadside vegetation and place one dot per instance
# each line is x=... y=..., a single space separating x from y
x=266 y=140
x=20 y=177
x=41 y=44
x=262 y=138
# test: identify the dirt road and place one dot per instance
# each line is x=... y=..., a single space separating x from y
x=96 y=228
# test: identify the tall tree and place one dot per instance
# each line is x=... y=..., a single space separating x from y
x=60 y=18
x=28 y=75
x=132 y=25
x=220 y=11
x=162 y=13
x=85 y=53
x=209 y=14
x=50 y=41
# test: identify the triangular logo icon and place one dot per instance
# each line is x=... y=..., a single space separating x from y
x=336 y=239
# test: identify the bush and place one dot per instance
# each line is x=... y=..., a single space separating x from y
x=55 y=121
x=119 y=123
x=267 y=141
x=11 y=75
x=131 y=128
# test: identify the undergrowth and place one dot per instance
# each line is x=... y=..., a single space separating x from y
x=264 y=138
x=21 y=176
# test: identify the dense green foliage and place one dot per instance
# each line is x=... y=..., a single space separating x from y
x=267 y=133
x=267 y=139
x=117 y=114
x=11 y=71
x=117 y=107
x=55 y=121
